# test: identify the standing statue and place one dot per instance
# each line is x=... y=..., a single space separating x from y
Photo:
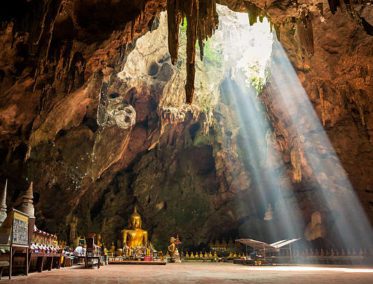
x=3 y=208
x=172 y=249
x=73 y=224
x=134 y=238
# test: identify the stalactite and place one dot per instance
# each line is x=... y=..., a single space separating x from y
x=320 y=7
x=202 y=21
x=141 y=17
x=44 y=42
x=132 y=29
x=201 y=45
x=192 y=20
x=305 y=32
x=321 y=93
x=344 y=5
x=278 y=32
x=42 y=26
x=349 y=4
x=254 y=13
x=174 y=18
x=360 y=107
x=367 y=27
x=333 y=4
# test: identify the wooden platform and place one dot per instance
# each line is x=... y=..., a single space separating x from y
x=134 y=262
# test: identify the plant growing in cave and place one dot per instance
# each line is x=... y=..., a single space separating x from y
x=212 y=54
x=257 y=78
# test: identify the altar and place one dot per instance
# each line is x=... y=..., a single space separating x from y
x=120 y=260
x=136 y=249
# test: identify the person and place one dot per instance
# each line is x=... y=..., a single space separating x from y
x=79 y=251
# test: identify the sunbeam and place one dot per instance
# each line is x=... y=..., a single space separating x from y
x=350 y=227
x=249 y=55
x=246 y=52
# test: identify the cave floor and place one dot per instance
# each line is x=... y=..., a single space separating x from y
x=201 y=273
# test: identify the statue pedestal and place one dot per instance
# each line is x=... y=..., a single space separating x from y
x=120 y=260
x=148 y=258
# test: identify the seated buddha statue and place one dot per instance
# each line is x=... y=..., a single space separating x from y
x=99 y=240
x=134 y=237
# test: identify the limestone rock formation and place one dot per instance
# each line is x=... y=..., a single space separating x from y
x=92 y=110
x=112 y=110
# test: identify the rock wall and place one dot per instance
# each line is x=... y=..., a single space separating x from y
x=333 y=59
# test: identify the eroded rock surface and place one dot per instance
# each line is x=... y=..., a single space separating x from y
x=93 y=113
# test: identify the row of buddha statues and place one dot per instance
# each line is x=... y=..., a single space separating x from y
x=211 y=255
x=201 y=255
x=43 y=242
x=224 y=245
x=39 y=241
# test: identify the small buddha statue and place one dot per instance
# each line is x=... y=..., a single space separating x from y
x=134 y=236
x=119 y=252
x=112 y=249
x=99 y=240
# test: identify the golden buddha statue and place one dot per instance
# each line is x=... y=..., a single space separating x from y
x=112 y=249
x=134 y=236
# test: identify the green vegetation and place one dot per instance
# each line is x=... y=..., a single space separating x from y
x=183 y=25
x=212 y=54
x=258 y=83
x=256 y=80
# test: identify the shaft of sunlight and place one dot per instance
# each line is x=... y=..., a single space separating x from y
x=349 y=223
x=246 y=52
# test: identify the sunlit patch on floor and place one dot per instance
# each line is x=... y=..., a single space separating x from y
x=311 y=269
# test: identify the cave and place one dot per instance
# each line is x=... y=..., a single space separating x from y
x=185 y=132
